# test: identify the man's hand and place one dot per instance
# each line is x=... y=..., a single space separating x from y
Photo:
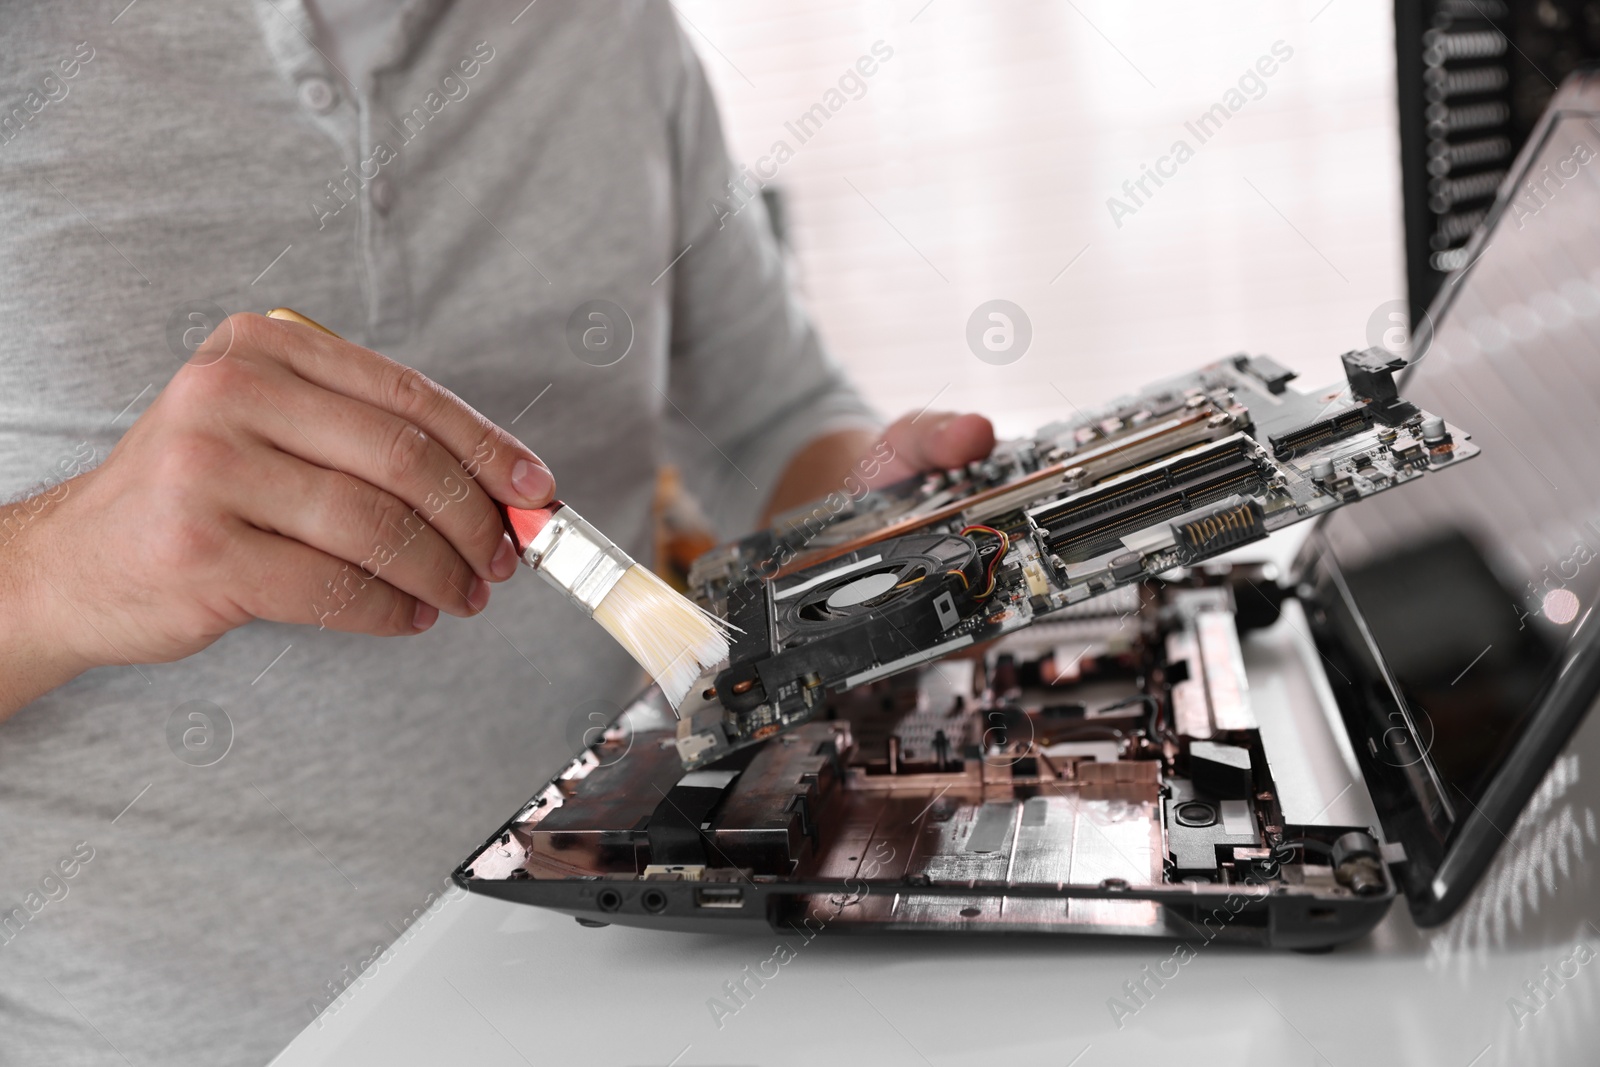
x=282 y=474
x=913 y=444
x=933 y=441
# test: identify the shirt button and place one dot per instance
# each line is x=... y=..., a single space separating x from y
x=317 y=94
x=382 y=194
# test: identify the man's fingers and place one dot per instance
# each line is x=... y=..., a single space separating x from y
x=287 y=581
x=504 y=465
x=956 y=440
x=373 y=446
x=364 y=526
x=934 y=441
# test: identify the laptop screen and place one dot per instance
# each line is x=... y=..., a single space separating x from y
x=1456 y=603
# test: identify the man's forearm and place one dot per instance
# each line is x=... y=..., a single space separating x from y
x=818 y=469
x=33 y=659
x=925 y=441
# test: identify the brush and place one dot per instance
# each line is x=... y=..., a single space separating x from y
x=671 y=637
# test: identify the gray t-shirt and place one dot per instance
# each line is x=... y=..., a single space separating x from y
x=492 y=175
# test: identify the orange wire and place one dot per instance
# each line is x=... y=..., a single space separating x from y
x=994 y=564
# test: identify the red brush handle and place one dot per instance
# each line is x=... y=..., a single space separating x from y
x=524 y=524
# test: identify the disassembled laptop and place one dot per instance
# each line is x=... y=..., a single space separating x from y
x=967 y=702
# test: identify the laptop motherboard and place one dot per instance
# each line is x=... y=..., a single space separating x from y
x=849 y=590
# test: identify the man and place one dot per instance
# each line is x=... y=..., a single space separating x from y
x=245 y=750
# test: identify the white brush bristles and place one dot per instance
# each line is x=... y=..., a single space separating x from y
x=671 y=636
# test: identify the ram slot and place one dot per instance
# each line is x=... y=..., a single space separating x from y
x=1091 y=522
x=1126 y=451
x=1152 y=479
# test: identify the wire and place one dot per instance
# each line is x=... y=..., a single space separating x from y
x=984 y=529
x=994 y=561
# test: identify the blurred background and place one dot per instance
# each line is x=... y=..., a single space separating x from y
x=978 y=160
x=922 y=158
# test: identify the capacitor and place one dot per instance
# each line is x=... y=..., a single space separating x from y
x=1322 y=470
x=1434 y=431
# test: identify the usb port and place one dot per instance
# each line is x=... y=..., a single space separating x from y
x=718 y=896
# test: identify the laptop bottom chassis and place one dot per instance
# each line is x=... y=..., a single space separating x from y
x=1098 y=774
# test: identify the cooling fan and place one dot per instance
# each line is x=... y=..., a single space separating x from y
x=918 y=584
x=828 y=625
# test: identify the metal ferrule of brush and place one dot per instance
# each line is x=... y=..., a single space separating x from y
x=577 y=559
